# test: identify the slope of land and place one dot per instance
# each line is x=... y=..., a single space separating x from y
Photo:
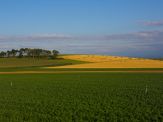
x=99 y=61
x=30 y=62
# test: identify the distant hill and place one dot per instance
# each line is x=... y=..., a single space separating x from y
x=103 y=61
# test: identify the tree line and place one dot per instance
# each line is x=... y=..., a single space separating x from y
x=29 y=52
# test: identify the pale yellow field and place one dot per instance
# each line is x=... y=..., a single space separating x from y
x=99 y=61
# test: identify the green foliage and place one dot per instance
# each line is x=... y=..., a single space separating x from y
x=55 y=53
x=29 y=52
x=81 y=97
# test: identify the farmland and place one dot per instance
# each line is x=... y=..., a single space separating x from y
x=81 y=61
x=30 y=62
x=31 y=91
x=102 y=61
x=81 y=97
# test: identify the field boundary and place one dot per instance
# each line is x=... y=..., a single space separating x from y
x=60 y=72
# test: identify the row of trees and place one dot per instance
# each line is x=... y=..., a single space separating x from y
x=28 y=52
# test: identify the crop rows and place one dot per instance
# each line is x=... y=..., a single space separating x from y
x=81 y=97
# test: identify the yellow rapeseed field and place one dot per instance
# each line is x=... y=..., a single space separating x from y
x=99 y=61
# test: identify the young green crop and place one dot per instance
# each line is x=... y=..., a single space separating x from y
x=81 y=97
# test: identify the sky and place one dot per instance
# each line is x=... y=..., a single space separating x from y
x=109 y=27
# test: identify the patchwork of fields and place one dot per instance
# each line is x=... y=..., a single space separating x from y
x=98 y=61
x=29 y=91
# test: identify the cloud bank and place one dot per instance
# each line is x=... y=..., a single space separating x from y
x=141 y=44
x=143 y=35
x=35 y=37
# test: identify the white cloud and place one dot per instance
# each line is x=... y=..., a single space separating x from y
x=143 y=35
x=152 y=23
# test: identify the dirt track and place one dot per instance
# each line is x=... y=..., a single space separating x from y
x=60 y=72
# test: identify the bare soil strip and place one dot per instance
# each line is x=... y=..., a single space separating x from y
x=60 y=72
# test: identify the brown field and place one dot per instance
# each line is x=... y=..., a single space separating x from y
x=99 y=61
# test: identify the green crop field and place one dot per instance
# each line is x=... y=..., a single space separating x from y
x=30 y=62
x=81 y=97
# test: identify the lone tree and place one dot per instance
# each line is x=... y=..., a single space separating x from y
x=55 y=53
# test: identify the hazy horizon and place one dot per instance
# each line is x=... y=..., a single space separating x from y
x=130 y=28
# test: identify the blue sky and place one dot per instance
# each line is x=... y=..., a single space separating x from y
x=113 y=27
